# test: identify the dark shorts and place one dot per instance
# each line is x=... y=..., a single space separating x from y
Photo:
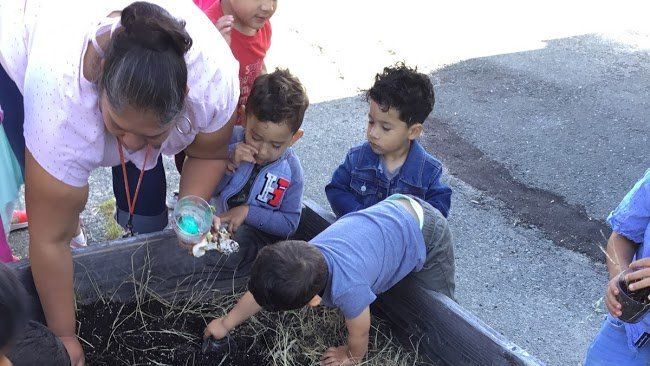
x=150 y=212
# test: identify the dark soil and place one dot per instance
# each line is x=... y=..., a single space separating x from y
x=153 y=333
x=639 y=296
x=120 y=334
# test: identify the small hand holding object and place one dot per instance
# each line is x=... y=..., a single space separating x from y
x=216 y=338
x=611 y=302
x=218 y=240
x=243 y=152
x=337 y=356
x=75 y=351
x=234 y=217
x=224 y=25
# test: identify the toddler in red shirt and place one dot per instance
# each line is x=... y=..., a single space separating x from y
x=246 y=26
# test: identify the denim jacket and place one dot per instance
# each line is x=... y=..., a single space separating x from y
x=359 y=182
x=275 y=199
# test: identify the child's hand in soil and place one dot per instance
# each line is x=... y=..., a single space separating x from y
x=224 y=25
x=216 y=329
x=337 y=356
x=640 y=278
x=612 y=304
x=243 y=152
x=234 y=217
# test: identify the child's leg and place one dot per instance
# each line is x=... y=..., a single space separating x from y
x=250 y=241
x=437 y=274
x=610 y=347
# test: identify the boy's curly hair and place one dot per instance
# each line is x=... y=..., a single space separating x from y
x=287 y=275
x=405 y=89
x=278 y=97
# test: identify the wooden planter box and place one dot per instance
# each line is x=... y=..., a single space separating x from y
x=446 y=332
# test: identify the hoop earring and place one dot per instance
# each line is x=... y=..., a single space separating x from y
x=189 y=126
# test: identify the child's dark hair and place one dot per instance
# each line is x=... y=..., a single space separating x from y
x=287 y=275
x=404 y=89
x=13 y=306
x=38 y=346
x=278 y=97
x=145 y=64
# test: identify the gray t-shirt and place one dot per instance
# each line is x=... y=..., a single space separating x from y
x=368 y=252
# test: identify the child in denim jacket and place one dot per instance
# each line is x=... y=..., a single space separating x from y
x=261 y=199
x=392 y=160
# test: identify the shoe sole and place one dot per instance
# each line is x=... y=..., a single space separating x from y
x=18 y=226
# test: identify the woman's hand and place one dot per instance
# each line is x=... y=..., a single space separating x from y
x=75 y=351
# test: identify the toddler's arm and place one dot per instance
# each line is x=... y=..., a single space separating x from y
x=245 y=308
x=355 y=350
x=338 y=191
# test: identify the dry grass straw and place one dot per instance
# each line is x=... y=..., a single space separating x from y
x=295 y=335
x=112 y=228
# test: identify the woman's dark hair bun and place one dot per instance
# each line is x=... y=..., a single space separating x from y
x=154 y=28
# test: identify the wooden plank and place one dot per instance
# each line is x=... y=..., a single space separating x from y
x=313 y=220
x=446 y=332
x=115 y=270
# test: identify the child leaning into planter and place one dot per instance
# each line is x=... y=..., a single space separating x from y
x=619 y=343
x=361 y=255
x=261 y=199
x=391 y=160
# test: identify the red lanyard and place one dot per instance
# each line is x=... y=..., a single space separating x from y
x=129 y=224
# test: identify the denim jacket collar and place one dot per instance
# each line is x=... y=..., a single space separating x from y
x=410 y=173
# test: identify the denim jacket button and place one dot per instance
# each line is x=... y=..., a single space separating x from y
x=363 y=188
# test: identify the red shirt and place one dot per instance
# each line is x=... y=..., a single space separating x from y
x=248 y=50
x=204 y=4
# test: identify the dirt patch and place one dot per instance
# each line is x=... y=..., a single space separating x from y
x=566 y=224
x=157 y=332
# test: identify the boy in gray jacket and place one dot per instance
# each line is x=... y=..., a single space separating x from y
x=261 y=199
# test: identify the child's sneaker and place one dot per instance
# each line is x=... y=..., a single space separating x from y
x=18 y=220
x=171 y=201
x=79 y=241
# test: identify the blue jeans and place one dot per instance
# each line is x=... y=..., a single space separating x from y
x=610 y=347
